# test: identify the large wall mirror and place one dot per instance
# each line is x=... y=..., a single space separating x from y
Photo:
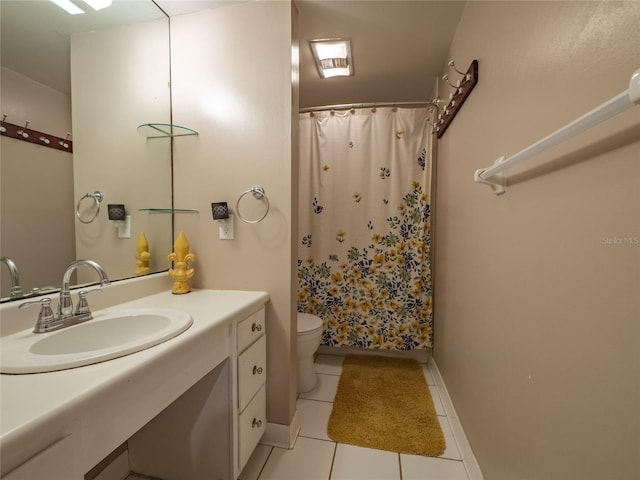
x=97 y=75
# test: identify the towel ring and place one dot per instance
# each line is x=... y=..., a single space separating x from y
x=97 y=198
x=258 y=193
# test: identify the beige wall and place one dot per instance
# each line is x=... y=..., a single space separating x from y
x=119 y=80
x=231 y=78
x=36 y=210
x=537 y=303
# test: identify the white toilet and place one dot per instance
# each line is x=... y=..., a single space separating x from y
x=309 y=338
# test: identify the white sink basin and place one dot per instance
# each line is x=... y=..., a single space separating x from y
x=105 y=337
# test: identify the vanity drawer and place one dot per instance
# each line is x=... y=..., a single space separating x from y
x=252 y=371
x=251 y=426
x=250 y=329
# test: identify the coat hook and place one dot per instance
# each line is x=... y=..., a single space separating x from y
x=2 y=127
x=452 y=64
x=467 y=76
x=22 y=131
x=63 y=143
x=45 y=140
x=445 y=77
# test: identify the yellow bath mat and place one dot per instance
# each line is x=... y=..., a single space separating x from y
x=384 y=403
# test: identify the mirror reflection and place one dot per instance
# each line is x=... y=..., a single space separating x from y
x=88 y=80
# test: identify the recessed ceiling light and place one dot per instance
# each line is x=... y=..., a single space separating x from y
x=333 y=57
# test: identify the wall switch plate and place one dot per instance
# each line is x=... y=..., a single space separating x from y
x=226 y=228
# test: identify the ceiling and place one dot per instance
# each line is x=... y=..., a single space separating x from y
x=398 y=46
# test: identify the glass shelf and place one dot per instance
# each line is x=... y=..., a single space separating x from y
x=164 y=130
x=168 y=210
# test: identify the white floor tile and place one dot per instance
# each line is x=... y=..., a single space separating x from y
x=252 y=469
x=427 y=468
x=437 y=401
x=452 y=450
x=309 y=460
x=325 y=389
x=314 y=418
x=329 y=364
x=358 y=463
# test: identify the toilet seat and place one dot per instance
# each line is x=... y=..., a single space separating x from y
x=308 y=324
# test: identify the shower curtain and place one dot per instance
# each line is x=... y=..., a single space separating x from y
x=364 y=226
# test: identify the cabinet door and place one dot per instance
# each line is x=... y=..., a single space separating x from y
x=55 y=462
x=251 y=426
x=252 y=371
x=250 y=329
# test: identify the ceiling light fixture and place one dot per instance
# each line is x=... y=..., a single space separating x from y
x=98 y=4
x=69 y=7
x=333 y=57
x=74 y=9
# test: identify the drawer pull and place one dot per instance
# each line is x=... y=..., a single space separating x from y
x=256 y=423
x=257 y=370
x=256 y=327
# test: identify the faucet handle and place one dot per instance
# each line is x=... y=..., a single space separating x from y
x=44 y=317
x=83 y=306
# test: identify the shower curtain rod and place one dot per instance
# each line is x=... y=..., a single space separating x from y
x=349 y=106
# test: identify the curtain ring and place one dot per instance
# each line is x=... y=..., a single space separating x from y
x=97 y=198
x=258 y=193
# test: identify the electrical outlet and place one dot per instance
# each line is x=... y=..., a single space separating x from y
x=124 y=227
x=226 y=228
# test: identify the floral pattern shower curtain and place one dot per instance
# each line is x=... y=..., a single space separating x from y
x=364 y=227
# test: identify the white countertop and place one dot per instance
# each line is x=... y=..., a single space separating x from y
x=101 y=405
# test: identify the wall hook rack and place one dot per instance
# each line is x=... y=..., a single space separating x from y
x=26 y=134
x=457 y=99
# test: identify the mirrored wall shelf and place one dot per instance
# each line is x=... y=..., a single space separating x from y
x=164 y=130
x=168 y=210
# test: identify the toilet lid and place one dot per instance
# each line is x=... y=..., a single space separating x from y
x=308 y=322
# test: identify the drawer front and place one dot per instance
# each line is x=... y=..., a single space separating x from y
x=250 y=329
x=251 y=426
x=252 y=371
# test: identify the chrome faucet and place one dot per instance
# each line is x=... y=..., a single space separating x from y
x=47 y=321
x=16 y=289
x=65 y=305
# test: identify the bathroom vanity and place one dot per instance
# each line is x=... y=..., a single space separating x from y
x=191 y=407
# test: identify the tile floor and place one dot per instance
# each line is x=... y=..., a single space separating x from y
x=316 y=457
